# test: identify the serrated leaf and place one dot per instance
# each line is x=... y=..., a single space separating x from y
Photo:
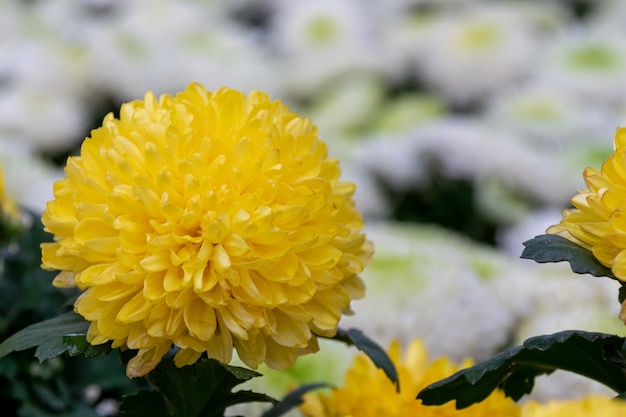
x=46 y=335
x=377 y=354
x=292 y=400
x=554 y=248
x=594 y=355
x=203 y=389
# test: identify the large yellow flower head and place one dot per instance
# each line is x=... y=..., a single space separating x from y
x=207 y=221
x=368 y=392
x=598 y=221
x=594 y=405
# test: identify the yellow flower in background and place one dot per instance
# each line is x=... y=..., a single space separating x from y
x=207 y=221
x=10 y=217
x=594 y=405
x=368 y=392
x=598 y=219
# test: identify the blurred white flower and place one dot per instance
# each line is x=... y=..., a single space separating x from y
x=404 y=111
x=549 y=117
x=394 y=159
x=369 y=197
x=345 y=107
x=402 y=38
x=589 y=62
x=555 y=292
x=319 y=41
x=566 y=385
x=472 y=52
x=162 y=46
x=430 y=283
x=562 y=300
x=45 y=120
x=471 y=149
x=10 y=23
x=511 y=237
x=28 y=179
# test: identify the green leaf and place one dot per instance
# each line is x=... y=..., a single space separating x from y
x=292 y=400
x=554 y=248
x=77 y=344
x=203 y=389
x=377 y=354
x=594 y=355
x=144 y=403
x=47 y=335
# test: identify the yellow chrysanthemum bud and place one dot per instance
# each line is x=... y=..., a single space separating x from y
x=207 y=221
x=368 y=392
x=598 y=219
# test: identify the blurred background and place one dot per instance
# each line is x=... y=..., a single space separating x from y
x=466 y=125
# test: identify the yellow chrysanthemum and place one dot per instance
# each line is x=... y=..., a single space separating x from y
x=368 y=392
x=594 y=405
x=207 y=221
x=598 y=221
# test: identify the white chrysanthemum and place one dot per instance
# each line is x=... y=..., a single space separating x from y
x=511 y=237
x=318 y=41
x=402 y=39
x=563 y=300
x=429 y=283
x=10 y=22
x=554 y=292
x=163 y=45
x=566 y=385
x=368 y=194
x=469 y=149
x=400 y=113
x=548 y=298
x=477 y=51
x=551 y=118
x=346 y=107
x=42 y=79
x=28 y=179
x=44 y=120
x=48 y=49
x=589 y=62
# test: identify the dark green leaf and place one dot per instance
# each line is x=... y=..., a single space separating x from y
x=245 y=396
x=594 y=355
x=554 y=248
x=46 y=335
x=370 y=348
x=142 y=404
x=203 y=389
x=622 y=293
x=291 y=400
x=77 y=344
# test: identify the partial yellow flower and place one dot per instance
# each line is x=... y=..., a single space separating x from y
x=207 y=221
x=368 y=392
x=595 y=405
x=10 y=216
x=598 y=219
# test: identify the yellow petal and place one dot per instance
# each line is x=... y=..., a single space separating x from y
x=200 y=319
